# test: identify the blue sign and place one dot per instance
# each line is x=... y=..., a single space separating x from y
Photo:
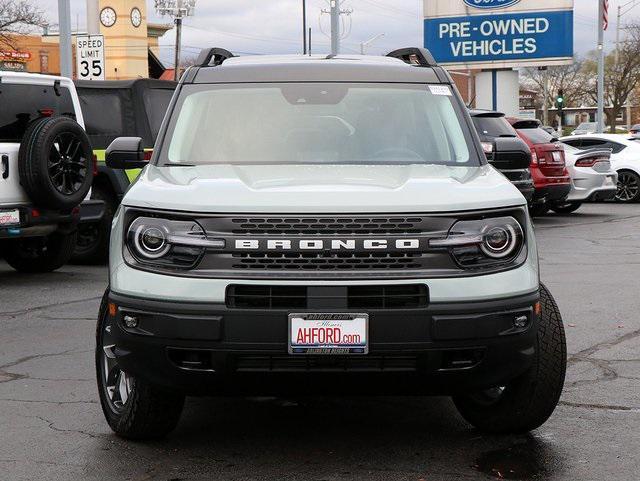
x=487 y=4
x=505 y=37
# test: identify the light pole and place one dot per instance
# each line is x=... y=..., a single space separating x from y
x=178 y=9
x=304 y=27
x=364 y=45
x=64 y=20
x=623 y=10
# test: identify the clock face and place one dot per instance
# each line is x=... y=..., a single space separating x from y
x=136 y=17
x=108 y=17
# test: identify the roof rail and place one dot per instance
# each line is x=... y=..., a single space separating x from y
x=420 y=57
x=212 y=57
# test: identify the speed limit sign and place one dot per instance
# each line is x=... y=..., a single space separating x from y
x=90 y=57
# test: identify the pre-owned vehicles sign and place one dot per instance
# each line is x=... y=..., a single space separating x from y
x=499 y=33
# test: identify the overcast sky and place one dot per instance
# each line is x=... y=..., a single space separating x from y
x=274 y=26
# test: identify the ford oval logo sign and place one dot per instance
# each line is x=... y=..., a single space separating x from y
x=488 y=4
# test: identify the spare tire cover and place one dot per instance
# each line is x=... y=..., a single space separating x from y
x=55 y=163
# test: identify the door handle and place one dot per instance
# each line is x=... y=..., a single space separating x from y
x=5 y=166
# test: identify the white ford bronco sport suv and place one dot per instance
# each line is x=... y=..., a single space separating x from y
x=46 y=170
x=323 y=225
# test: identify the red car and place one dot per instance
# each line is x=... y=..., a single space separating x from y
x=550 y=176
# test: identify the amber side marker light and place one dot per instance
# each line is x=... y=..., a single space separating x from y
x=113 y=309
x=537 y=308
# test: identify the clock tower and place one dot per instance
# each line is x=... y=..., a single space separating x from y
x=124 y=26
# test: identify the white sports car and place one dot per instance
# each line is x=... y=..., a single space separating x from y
x=625 y=160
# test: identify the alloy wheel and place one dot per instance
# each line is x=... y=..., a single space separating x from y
x=66 y=164
x=628 y=187
x=117 y=384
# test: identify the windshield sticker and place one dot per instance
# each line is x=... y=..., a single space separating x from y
x=440 y=90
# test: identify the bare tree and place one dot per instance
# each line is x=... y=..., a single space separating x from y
x=570 y=78
x=17 y=18
x=621 y=78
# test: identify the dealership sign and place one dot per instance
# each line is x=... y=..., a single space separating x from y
x=512 y=34
x=488 y=4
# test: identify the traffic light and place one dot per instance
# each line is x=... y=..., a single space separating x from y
x=560 y=100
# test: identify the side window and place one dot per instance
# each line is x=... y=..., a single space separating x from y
x=577 y=143
x=592 y=143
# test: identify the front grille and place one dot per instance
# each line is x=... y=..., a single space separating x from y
x=402 y=296
x=327 y=261
x=326 y=363
x=326 y=225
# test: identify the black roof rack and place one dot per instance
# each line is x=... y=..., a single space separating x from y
x=212 y=57
x=420 y=57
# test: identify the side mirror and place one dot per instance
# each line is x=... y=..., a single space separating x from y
x=126 y=153
x=510 y=153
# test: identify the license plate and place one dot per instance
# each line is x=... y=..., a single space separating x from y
x=9 y=217
x=326 y=333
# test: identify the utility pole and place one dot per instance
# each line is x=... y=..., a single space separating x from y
x=64 y=20
x=335 y=27
x=545 y=95
x=304 y=27
x=178 y=9
x=93 y=17
x=600 y=50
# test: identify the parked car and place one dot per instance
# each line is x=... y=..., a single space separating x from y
x=549 y=129
x=625 y=160
x=494 y=130
x=592 y=177
x=116 y=108
x=635 y=130
x=585 y=128
x=311 y=224
x=46 y=171
x=548 y=169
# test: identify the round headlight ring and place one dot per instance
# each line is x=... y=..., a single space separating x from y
x=499 y=241
x=150 y=241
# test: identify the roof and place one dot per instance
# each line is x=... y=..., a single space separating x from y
x=318 y=68
x=124 y=84
x=620 y=138
x=485 y=113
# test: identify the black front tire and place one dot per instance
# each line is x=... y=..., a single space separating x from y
x=567 y=208
x=93 y=239
x=149 y=412
x=527 y=402
x=37 y=255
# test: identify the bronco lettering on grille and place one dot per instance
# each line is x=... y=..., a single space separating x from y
x=328 y=244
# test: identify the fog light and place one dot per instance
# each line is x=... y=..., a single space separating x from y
x=520 y=321
x=131 y=321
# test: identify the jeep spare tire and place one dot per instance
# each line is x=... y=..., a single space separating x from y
x=55 y=163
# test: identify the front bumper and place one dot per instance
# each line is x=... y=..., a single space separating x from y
x=442 y=348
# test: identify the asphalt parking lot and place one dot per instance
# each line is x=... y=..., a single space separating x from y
x=52 y=426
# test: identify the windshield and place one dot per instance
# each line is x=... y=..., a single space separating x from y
x=326 y=123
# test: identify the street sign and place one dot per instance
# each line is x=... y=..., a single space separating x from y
x=489 y=34
x=90 y=57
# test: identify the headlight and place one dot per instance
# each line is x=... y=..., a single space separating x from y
x=478 y=243
x=170 y=243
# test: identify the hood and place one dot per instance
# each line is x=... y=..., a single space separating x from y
x=321 y=188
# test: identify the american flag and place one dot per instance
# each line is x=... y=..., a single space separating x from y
x=605 y=14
